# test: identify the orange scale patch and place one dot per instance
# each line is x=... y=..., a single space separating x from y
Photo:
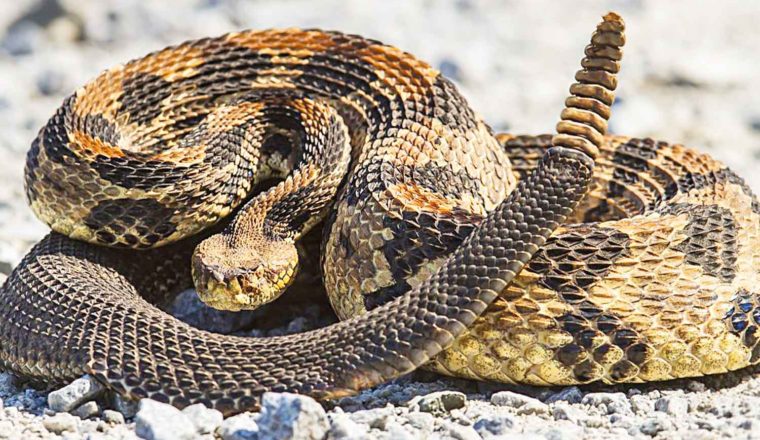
x=101 y=95
x=184 y=156
x=85 y=145
x=397 y=66
x=292 y=41
x=415 y=198
x=170 y=64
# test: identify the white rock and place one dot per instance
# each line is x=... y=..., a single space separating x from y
x=113 y=417
x=615 y=403
x=422 y=421
x=457 y=431
x=74 y=394
x=641 y=404
x=6 y=429
x=206 y=420
x=239 y=427
x=87 y=410
x=496 y=425
x=396 y=431
x=655 y=424
x=291 y=416
x=523 y=404
x=343 y=428
x=160 y=421
x=674 y=405
x=60 y=423
x=374 y=418
x=564 y=411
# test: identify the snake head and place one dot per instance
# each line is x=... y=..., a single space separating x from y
x=233 y=276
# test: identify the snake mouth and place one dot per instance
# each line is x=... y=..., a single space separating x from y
x=236 y=289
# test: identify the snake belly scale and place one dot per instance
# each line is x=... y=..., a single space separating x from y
x=495 y=257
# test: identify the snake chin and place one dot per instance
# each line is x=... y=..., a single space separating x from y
x=228 y=277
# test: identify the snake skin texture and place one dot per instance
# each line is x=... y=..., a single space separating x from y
x=505 y=258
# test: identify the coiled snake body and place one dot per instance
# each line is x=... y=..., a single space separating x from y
x=506 y=255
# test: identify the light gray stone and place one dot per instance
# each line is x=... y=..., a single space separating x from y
x=457 y=431
x=421 y=421
x=494 y=425
x=439 y=402
x=113 y=417
x=87 y=410
x=674 y=405
x=398 y=432
x=239 y=427
x=641 y=404
x=655 y=424
x=615 y=403
x=564 y=411
x=569 y=395
x=160 y=421
x=6 y=429
x=60 y=423
x=523 y=404
x=7 y=385
x=343 y=428
x=74 y=394
x=206 y=420
x=291 y=416
x=374 y=418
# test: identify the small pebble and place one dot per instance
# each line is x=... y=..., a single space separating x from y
x=113 y=417
x=676 y=406
x=206 y=420
x=523 y=404
x=564 y=411
x=87 y=410
x=655 y=424
x=74 y=394
x=641 y=404
x=439 y=403
x=496 y=425
x=343 y=428
x=239 y=427
x=569 y=395
x=291 y=416
x=161 y=421
x=614 y=402
x=60 y=423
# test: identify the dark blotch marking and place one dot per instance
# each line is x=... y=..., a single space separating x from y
x=710 y=239
x=690 y=181
x=573 y=262
x=143 y=96
x=431 y=176
x=570 y=354
x=112 y=218
x=418 y=238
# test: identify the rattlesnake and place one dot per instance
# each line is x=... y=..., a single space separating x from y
x=506 y=258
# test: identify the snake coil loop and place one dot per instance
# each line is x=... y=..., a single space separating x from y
x=583 y=122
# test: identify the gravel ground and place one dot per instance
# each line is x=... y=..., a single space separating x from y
x=690 y=76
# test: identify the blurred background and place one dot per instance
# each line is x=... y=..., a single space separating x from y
x=691 y=72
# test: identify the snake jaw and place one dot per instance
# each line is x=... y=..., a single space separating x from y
x=228 y=278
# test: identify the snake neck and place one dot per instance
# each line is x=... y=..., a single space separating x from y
x=254 y=259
